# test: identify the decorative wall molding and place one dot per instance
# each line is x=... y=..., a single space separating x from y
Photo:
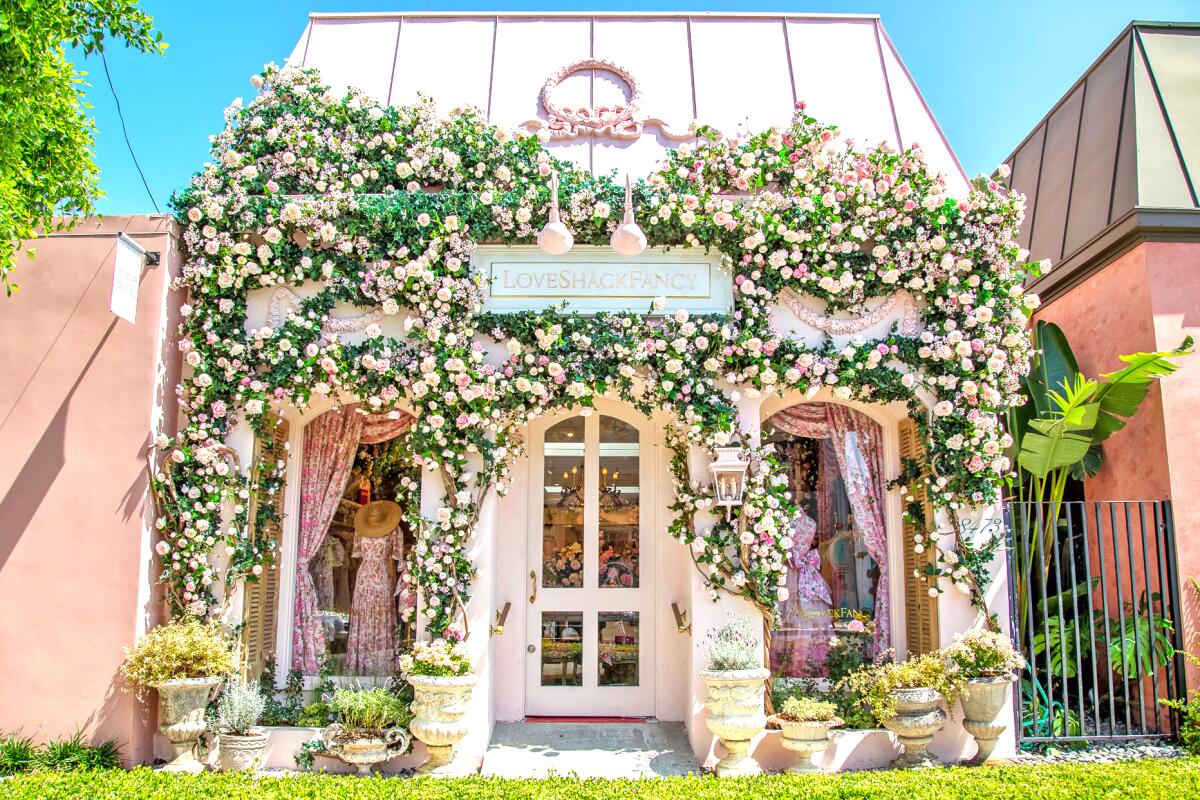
x=619 y=121
x=901 y=305
x=284 y=302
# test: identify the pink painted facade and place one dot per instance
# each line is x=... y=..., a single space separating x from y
x=1147 y=298
x=82 y=391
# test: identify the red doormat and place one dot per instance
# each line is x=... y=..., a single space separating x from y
x=586 y=719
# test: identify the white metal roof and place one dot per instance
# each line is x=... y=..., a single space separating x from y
x=719 y=69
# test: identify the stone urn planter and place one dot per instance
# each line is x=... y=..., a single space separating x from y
x=919 y=715
x=241 y=753
x=439 y=705
x=982 y=701
x=181 y=704
x=363 y=749
x=735 y=715
x=805 y=739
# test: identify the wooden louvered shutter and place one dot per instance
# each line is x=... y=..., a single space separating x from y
x=920 y=610
x=260 y=607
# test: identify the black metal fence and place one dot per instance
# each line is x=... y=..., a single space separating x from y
x=1095 y=610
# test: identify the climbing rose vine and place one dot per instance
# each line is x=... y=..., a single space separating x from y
x=382 y=207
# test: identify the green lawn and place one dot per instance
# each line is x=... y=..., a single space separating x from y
x=1176 y=779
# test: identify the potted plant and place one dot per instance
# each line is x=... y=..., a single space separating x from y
x=906 y=698
x=440 y=674
x=184 y=660
x=988 y=662
x=370 y=728
x=238 y=747
x=735 y=679
x=806 y=723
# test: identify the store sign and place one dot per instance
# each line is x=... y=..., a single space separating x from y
x=127 y=275
x=593 y=279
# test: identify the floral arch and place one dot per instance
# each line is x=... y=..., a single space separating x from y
x=380 y=209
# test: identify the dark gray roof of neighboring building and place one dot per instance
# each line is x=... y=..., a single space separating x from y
x=1118 y=157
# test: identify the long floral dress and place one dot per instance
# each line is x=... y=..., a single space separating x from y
x=372 y=644
x=800 y=647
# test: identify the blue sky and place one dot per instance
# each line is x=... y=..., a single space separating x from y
x=988 y=70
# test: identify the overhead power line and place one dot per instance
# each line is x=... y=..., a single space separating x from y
x=125 y=131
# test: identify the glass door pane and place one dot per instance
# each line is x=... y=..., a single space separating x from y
x=562 y=648
x=619 y=643
x=620 y=505
x=563 y=506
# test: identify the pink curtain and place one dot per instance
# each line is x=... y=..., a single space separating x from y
x=860 y=459
x=330 y=444
x=378 y=428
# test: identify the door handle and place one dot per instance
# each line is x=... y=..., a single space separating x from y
x=533 y=583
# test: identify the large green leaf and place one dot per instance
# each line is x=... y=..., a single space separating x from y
x=1091 y=463
x=1123 y=391
x=1061 y=437
x=1053 y=367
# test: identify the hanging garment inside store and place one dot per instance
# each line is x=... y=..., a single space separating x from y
x=372 y=644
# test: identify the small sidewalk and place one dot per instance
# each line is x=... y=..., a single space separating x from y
x=589 y=750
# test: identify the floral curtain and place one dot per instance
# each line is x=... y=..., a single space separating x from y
x=853 y=442
x=330 y=444
x=378 y=428
x=860 y=459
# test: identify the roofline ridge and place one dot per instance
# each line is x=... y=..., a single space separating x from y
x=816 y=15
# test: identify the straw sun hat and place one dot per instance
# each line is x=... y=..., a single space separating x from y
x=377 y=519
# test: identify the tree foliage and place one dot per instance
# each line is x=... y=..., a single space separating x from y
x=47 y=170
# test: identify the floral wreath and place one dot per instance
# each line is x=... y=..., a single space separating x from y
x=383 y=206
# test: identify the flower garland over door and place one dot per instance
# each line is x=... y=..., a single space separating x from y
x=381 y=208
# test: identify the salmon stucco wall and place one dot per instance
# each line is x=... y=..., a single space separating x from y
x=81 y=392
x=1147 y=299
x=1173 y=277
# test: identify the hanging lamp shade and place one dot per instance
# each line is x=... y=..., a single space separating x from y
x=628 y=239
x=555 y=238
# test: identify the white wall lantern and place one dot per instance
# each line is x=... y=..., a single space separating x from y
x=728 y=473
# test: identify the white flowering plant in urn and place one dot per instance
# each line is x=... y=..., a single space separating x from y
x=442 y=679
x=988 y=663
x=239 y=747
x=736 y=681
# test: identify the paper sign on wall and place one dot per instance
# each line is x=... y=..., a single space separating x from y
x=127 y=275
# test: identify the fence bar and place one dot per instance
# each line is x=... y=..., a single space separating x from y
x=1150 y=622
x=1075 y=615
x=1176 y=609
x=1040 y=542
x=1091 y=616
x=1112 y=515
x=1137 y=628
x=1112 y=700
x=1055 y=561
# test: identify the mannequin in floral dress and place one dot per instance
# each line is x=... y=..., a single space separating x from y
x=372 y=643
x=801 y=645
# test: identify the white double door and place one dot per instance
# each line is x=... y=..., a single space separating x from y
x=590 y=577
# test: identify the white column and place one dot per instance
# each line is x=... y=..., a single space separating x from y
x=705 y=613
x=481 y=550
x=956 y=615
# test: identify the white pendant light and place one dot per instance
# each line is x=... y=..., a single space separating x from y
x=555 y=239
x=628 y=239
